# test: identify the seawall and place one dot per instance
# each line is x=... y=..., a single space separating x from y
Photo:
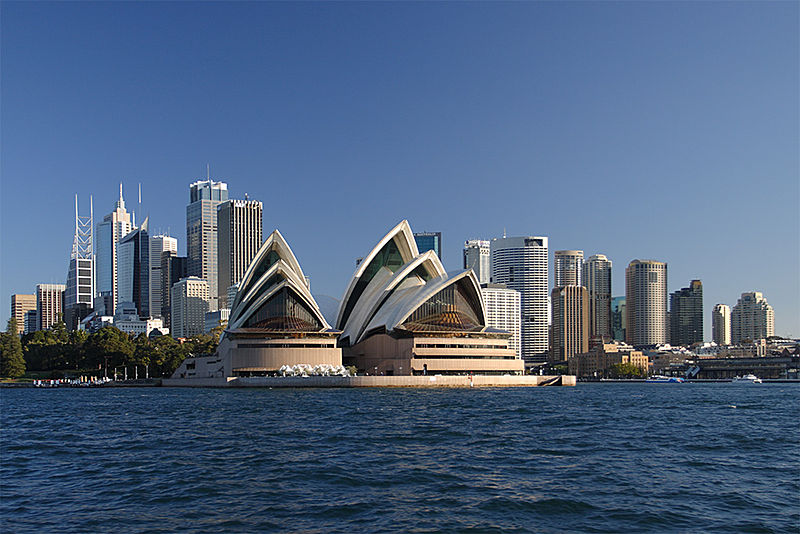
x=374 y=381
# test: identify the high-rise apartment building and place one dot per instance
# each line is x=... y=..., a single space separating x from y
x=19 y=305
x=477 y=256
x=114 y=227
x=646 y=302
x=201 y=233
x=429 y=241
x=173 y=268
x=568 y=267
x=158 y=245
x=686 y=315
x=570 y=306
x=752 y=318
x=133 y=264
x=31 y=321
x=521 y=264
x=597 y=280
x=189 y=307
x=49 y=305
x=503 y=311
x=721 y=324
x=618 y=319
x=80 y=290
x=240 y=236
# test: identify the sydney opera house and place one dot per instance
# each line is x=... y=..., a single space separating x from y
x=401 y=314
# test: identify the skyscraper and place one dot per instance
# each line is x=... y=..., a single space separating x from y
x=240 y=236
x=619 y=320
x=568 y=267
x=686 y=315
x=429 y=241
x=114 y=227
x=189 y=307
x=20 y=304
x=521 y=264
x=503 y=311
x=570 y=322
x=597 y=280
x=646 y=302
x=173 y=269
x=721 y=324
x=201 y=232
x=752 y=318
x=49 y=305
x=477 y=256
x=80 y=289
x=133 y=264
x=158 y=245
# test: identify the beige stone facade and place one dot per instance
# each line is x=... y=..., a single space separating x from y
x=597 y=362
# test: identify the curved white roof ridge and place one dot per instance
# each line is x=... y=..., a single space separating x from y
x=401 y=230
x=284 y=252
x=428 y=260
x=299 y=289
x=279 y=267
x=392 y=316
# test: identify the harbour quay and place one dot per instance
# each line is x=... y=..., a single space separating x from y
x=416 y=381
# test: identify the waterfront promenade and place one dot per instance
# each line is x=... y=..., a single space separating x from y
x=375 y=381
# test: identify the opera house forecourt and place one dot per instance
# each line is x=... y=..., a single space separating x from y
x=403 y=321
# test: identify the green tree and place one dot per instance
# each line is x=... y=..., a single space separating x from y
x=625 y=370
x=12 y=362
x=108 y=348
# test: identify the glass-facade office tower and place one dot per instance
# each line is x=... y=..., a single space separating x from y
x=201 y=233
x=568 y=268
x=477 y=256
x=597 y=280
x=240 y=237
x=114 y=227
x=752 y=318
x=429 y=241
x=618 y=319
x=686 y=315
x=133 y=263
x=80 y=288
x=158 y=245
x=173 y=269
x=646 y=302
x=721 y=324
x=521 y=263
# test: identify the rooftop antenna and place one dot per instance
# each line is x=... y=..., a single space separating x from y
x=208 y=172
x=504 y=232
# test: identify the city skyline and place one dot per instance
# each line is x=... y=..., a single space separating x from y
x=660 y=140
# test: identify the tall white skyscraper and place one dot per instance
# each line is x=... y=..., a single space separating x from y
x=477 y=256
x=201 y=233
x=240 y=237
x=158 y=244
x=721 y=324
x=646 y=302
x=521 y=264
x=568 y=268
x=189 y=307
x=752 y=318
x=597 y=280
x=114 y=227
x=49 y=304
x=503 y=311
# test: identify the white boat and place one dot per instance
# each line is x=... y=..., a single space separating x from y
x=749 y=378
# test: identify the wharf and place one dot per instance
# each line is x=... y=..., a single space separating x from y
x=458 y=381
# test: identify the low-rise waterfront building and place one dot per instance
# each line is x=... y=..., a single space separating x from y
x=597 y=362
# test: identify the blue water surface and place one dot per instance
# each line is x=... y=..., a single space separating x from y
x=592 y=458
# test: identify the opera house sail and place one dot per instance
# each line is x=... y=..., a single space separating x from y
x=402 y=313
x=274 y=322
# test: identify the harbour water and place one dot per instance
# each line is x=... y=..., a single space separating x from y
x=592 y=458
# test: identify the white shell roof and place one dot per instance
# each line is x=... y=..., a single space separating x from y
x=404 y=239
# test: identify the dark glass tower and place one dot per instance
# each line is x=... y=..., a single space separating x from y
x=686 y=315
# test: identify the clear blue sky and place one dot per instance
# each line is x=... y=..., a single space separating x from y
x=633 y=129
